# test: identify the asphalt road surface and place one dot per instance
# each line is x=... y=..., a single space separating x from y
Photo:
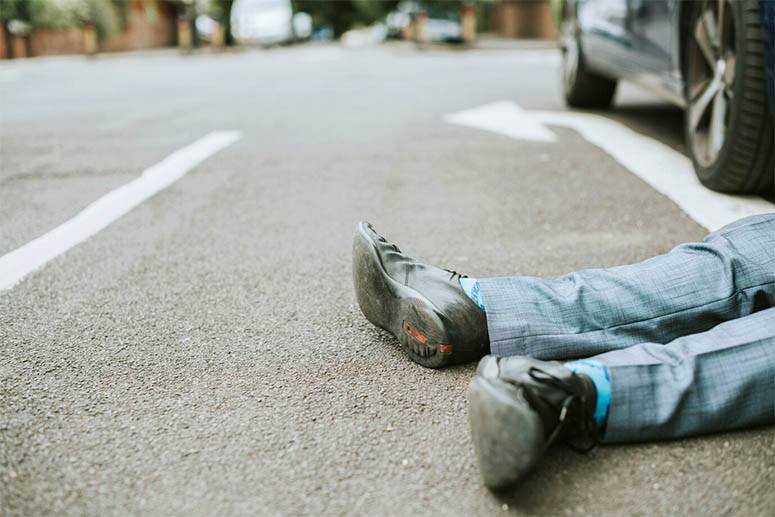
x=204 y=354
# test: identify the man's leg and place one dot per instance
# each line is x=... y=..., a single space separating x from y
x=688 y=290
x=718 y=380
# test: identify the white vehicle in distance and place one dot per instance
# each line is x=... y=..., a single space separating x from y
x=268 y=22
x=442 y=23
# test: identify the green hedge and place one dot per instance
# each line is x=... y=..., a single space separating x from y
x=108 y=16
x=14 y=10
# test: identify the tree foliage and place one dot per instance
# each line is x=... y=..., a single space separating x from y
x=108 y=16
x=220 y=11
x=57 y=14
x=14 y=10
x=345 y=14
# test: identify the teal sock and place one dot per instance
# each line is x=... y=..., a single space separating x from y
x=598 y=372
x=473 y=290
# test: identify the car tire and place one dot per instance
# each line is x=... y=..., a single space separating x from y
x=583 y=88
x=730 y=140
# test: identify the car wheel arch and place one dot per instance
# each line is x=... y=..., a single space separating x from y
x=684 y=33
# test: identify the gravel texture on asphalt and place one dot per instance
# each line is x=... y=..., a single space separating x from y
x=204 y=354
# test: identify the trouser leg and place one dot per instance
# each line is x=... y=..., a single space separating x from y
x=718 y=380
x=730 y=274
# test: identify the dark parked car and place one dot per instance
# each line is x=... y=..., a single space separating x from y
x=715 y=58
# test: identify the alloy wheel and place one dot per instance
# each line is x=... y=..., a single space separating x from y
x=710 y=79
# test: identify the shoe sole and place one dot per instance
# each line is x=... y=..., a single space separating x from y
x=507 y=434
x=399 y=309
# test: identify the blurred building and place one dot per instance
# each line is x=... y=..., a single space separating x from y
x=150 y=24
x=522 y=19
x=141 y=24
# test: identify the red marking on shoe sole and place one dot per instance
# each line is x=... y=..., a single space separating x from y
x=444 y=348
x=416 y=334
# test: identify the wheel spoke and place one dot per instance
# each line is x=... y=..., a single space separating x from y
x=697 y=88
x=729 y=93
x=697 y=108
x=704 y=42
x=709 y=22
x=729 y=70
x=718 y=122
x=720 y=23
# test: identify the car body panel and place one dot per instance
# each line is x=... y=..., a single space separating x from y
x=262 y=21
x=636 y=40
x=640 y=41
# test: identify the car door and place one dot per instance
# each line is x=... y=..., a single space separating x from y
x=605 y=41
x=650 y=29
x=633 y=39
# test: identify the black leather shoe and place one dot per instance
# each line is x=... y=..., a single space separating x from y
x=422 y=305
x=518 y=406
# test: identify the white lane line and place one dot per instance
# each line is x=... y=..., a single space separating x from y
x=507 y=118
x=663 y=168
x=8 y=75
x=24 y=260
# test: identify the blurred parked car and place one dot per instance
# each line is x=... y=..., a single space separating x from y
x=205 y=27
x=442 y=22
x=268 y=22
x=398 y=20
x=715 y=58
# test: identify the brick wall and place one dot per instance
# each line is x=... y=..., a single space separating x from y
x=49 y=42
x=149 y=25
x=523 y=19
x=4 y=51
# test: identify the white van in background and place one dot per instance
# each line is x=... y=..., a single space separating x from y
x=268 y=22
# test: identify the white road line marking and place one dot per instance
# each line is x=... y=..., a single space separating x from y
x=24 y=260
x=9 y=75
x=507 y=118
x=664 y=169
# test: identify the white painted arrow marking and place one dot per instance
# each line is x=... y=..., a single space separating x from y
x=506 y=118
x=666 y=170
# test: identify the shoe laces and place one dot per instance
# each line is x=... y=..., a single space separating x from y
x=453 y=274
x=589 y=432
x=390 y=244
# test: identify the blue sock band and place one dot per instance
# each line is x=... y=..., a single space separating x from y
x=473 y=290
x=598 y=372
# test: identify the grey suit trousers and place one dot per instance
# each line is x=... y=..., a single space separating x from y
x=688 y=337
